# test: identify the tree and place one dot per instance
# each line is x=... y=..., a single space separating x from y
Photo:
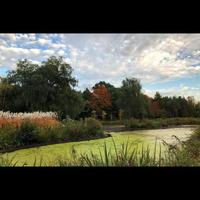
x=87 y=111
x=45 y=87
x=130 y=99
x=113 y=111
x=157 y=97
x=100 y=99
x=155 y=109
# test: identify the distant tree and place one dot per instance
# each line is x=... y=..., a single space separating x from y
x=87 y=110
x=86 y=94
x=155 y=109
x=157 y=97
x=131 y=99
x=113 y=111
x=100 y=99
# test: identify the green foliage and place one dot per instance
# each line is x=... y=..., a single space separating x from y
x=7 y=137
x=93 y=127
x=159 y=122
x=84 y=129
x=30 y=134
x=5 y=161
x=27 y=134
x=130 y=99
x=51 y=134
x=45 y=87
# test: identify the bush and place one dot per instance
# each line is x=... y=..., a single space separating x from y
x=7 y=137
x=51 y=134
x=93 y=128
x=85 y=129
x=27 y=134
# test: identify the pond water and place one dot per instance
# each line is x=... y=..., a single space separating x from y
x=182 y=132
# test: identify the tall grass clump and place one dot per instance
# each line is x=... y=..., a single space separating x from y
x=125 y=155
x=39 y=118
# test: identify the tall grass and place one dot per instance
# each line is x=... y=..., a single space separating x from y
x=128 y=156
x=29 y=133
x=39 y=118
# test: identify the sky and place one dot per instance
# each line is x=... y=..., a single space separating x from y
x=168 y=63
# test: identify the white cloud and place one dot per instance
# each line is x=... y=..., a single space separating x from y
x=57 y=46
x=35 y=51
x=42 y=41
x=61 y=53
x=48 y=52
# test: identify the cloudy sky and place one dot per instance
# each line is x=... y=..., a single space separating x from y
x=168 y=63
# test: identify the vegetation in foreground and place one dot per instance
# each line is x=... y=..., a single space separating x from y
x=181 y=154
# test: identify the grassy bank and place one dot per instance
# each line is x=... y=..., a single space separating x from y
x=134 y=124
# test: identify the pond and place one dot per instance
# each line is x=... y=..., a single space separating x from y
x=137 y=138
x=182 y=132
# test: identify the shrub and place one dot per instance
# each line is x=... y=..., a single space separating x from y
x=93 y=127
x=84 y=129
x=27 y=134
x=7 y=137
x=51 y=134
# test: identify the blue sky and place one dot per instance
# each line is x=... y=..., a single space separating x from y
x=168 y=63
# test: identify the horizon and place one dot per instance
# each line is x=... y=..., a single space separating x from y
x=167 y=63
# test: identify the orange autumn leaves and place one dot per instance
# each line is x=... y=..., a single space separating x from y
x=100 y=99
x=38 y=121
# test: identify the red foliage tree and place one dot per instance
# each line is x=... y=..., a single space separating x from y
x=100 y=99
x=155 y=109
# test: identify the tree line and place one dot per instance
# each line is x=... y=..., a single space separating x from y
x=50 y=86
